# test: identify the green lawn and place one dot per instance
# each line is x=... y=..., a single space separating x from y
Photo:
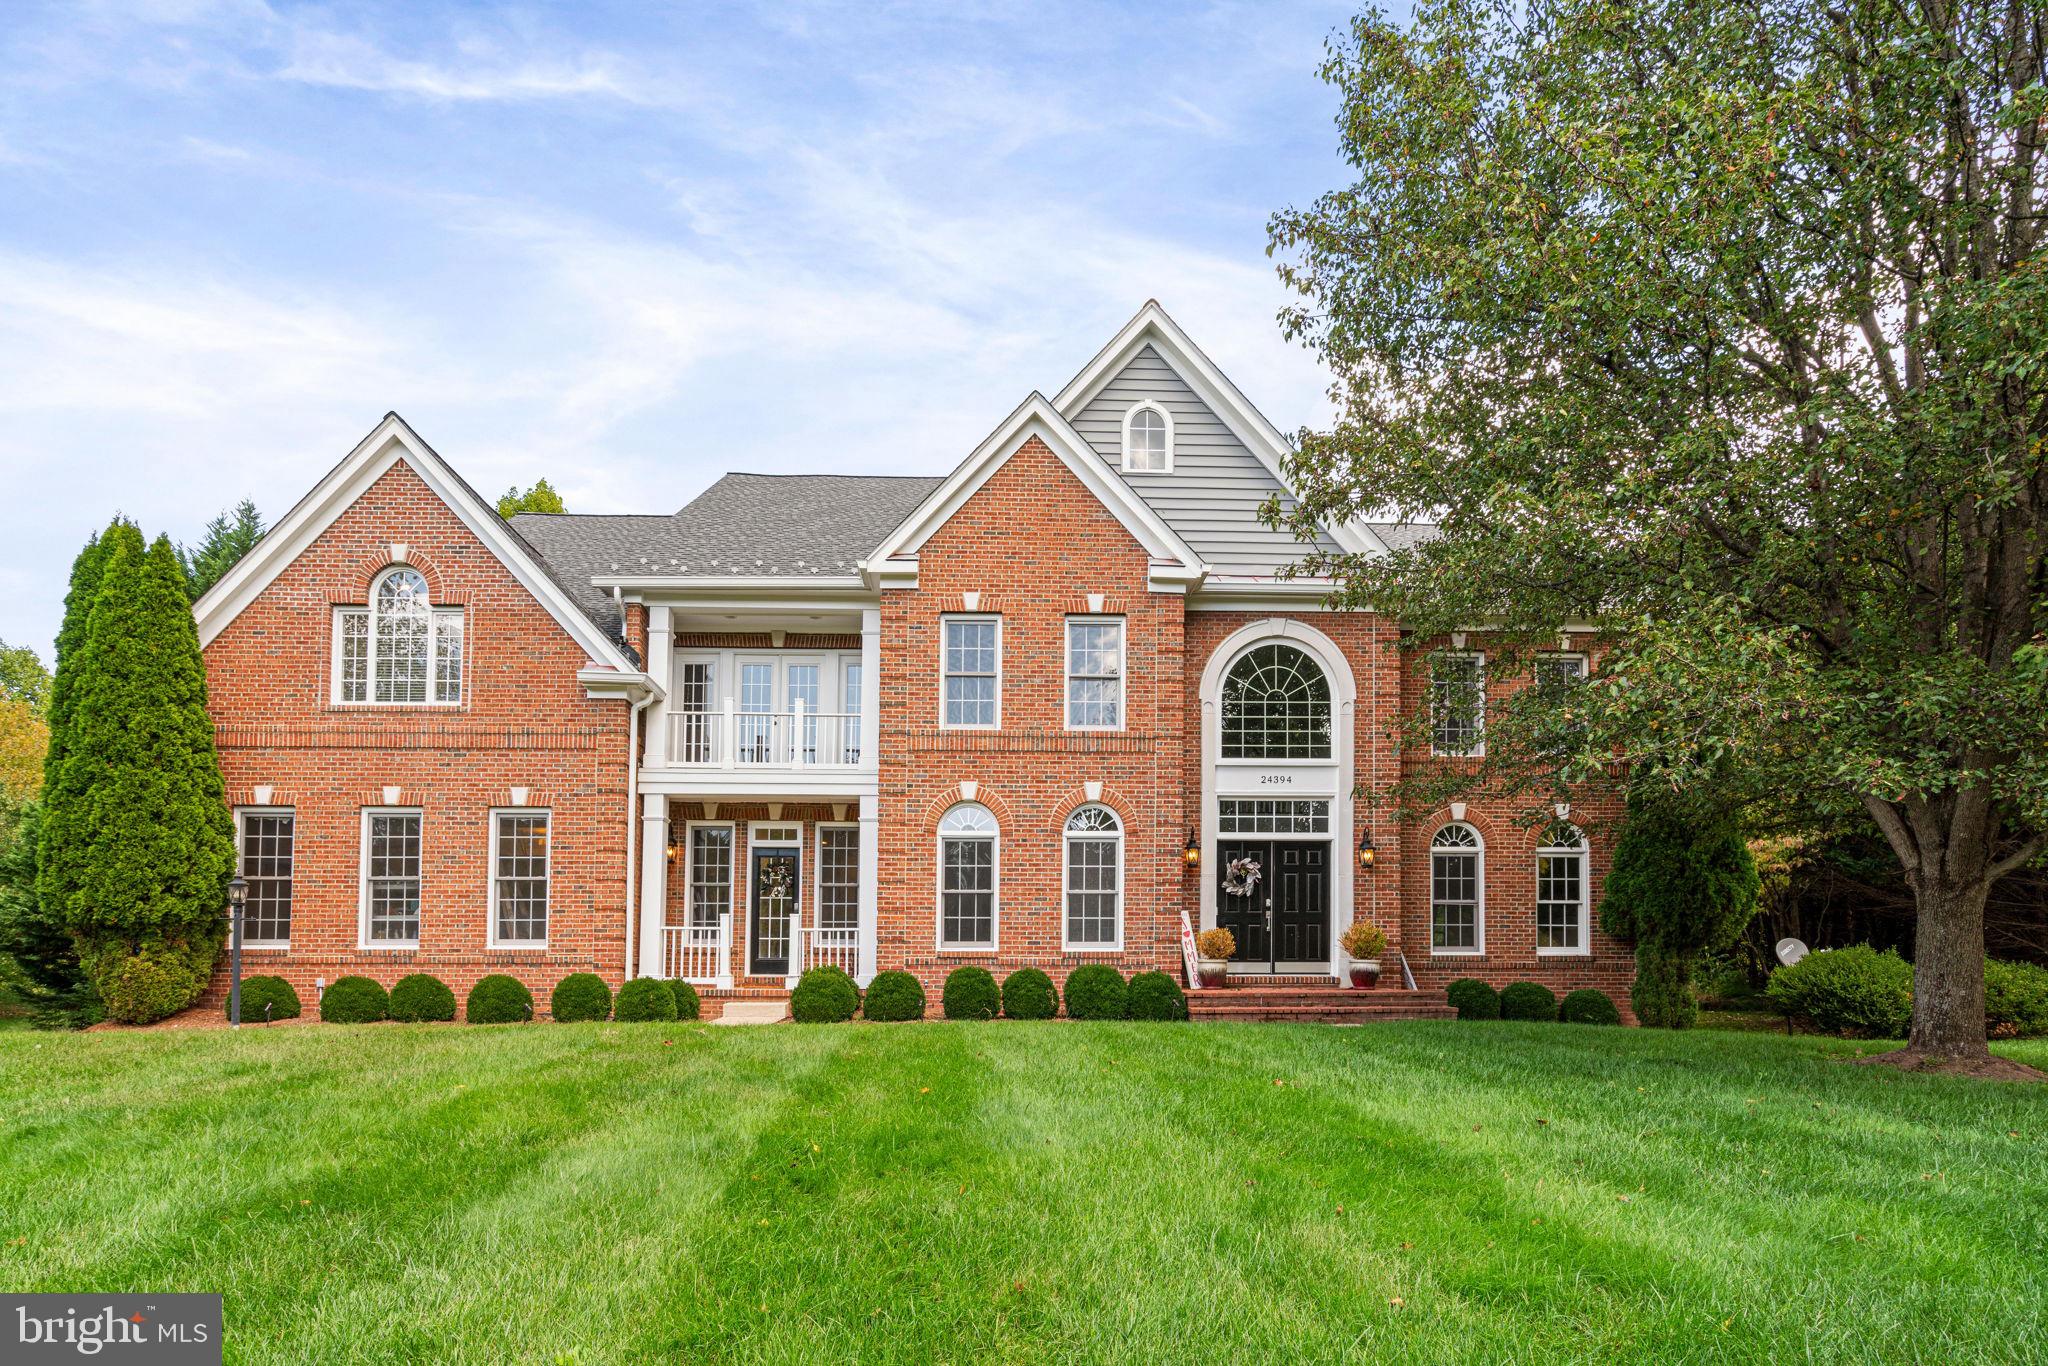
x=1031 y=1192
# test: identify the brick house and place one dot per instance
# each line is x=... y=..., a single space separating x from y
x=1029 y=713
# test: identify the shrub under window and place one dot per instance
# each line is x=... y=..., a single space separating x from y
x=1028 y=994
x=970 y=994
x=1475 y=1000
x=1587 y=1006
x=355 y=1000
x=1155 y=996
x=894 y=996
x=1528 y=1001
x=647 y=998
x=267 y=998
x=688 y=1005
x=422 y=997
x=1096 y=992
x=824 y=995
x=579 y=997
x=498 y=999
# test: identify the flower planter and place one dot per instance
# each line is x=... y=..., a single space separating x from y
x=1365 y=973
x=1213 y=972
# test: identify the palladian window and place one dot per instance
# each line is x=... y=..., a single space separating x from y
x=400 y=648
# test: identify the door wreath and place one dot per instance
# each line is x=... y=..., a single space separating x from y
x=1241 y=876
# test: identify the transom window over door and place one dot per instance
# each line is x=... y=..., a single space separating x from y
x=972 y=667
x=1095 y=673
x=400 y=649
x=1456 y=889
x=967 y=878
x=1561 y=902
x=1276 y=705
x=1094 y=879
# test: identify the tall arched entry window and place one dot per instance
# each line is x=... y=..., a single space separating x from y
x=1276 y=705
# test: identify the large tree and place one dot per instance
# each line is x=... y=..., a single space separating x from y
x=540 y=498
x=23 y=677
x=1721 y=327
x=228 y=538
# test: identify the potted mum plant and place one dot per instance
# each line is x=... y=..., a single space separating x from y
x=1212 y=956
x=1364 y=943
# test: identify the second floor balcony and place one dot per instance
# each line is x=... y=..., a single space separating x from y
x=729 y=738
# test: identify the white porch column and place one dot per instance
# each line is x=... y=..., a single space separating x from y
x=870 y=901
x=661 y=667
x=870 y=700
x=653 y=881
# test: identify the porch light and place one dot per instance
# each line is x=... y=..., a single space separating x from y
x=1192 y=853
x=1365 y=850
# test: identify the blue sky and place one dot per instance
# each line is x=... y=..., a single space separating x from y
x=623 y=246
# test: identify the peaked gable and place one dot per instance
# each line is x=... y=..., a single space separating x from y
x=392 y=442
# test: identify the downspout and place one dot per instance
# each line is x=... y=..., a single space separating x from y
x=632 y=804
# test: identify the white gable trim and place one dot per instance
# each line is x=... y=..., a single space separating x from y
x=391 y=442
x=1174 y=565
x=1152 y=326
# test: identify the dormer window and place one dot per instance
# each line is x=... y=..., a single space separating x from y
x=400 y=649
x=1148 y=439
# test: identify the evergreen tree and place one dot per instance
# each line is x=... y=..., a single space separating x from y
x=539 y=498
x=138 y=844
x=228 y=538
x=1683 y=883
x=39 y=946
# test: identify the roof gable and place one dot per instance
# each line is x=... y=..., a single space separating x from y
x=392 y=442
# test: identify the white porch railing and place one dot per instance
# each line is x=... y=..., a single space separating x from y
x=797 y=738
x=698 y=953
x=829 y=945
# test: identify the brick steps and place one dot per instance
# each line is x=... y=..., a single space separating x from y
x=1318 y=1005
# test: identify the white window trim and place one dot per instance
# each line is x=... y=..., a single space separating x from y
x=1478 y=749
x=1585 y=663
x=995 y=882
x=689 y=861
x=945 y=621
x=242 y=811
x=1123 y=649
x=755 y=843
x=363 y=940
x=1067 y=839
x=1584 y=853
x=1478 y=949
x=491 y=929
x=1147 y=405
x=435 y=613
x=818 y=870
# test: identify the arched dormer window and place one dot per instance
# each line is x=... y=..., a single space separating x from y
x=1276 y=705
x=400 y=649
x=1148 y=439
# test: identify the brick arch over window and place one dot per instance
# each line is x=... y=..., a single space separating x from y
x=1073 y=799
x=373 y=566
x=939 y=800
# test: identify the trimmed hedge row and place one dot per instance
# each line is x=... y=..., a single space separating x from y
x=1477 y=1000
x=422 y=997
x=266 y=998
x=581 y=997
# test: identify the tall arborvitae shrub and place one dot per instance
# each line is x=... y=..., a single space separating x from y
x=138 y=845
x=1683 y=883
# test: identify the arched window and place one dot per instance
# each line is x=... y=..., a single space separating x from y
x=400 y=648
x=1561 y=900
x=1276 y=705
x=1457 y=891
x=1148 y=439
x=1094 y=878
x=967 y=878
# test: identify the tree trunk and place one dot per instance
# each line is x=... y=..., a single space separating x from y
x=1948 y=971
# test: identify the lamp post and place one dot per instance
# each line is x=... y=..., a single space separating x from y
x=238 y=897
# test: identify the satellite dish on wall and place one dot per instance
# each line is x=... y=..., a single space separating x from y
x=1790 y=951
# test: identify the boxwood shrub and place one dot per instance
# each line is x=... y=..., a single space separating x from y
x=970 y=994
x=2015 y=1000
x=1857 y=992
x=688 y=1006
x=1474 y=999
x=498 y=999
x=1155 y=996
x=1587 y=1006
x=894 y=996
x=273 y=992
x=648 y=998
x=1029 y=994
x=1528 y=1001
x=354 y=1000
x=579 y=997
x=824 y=995
x=421 y=997
x=1096 y=991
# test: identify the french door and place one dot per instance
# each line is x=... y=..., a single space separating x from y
x=1283 y=915
x=776 y=884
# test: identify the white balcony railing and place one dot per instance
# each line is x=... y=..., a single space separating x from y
x=764 y=739
x=698 y=953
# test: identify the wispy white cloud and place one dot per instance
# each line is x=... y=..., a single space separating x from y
x=350 y=62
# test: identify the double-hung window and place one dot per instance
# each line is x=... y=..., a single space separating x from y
x=1094 y=879
x=391 y=878
x=967 y=878
x=267 y=855
x=1561 y=900
x=972 y=669
x=519 y=879
x=400 y=649
x=1457 y=891
x=1095 y=673
x=1457 y=703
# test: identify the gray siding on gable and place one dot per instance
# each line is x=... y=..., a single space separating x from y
x=1213 y=495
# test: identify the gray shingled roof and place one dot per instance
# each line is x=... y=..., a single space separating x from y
x=793 y=526
x=1402 y=535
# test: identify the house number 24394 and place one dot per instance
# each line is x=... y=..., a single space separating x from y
x=1276 y=779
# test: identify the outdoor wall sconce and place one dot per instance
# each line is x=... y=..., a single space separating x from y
x=1192 y=853
x=1365 y=850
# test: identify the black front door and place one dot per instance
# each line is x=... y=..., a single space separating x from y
x=1285 y=918
x=775 y=888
